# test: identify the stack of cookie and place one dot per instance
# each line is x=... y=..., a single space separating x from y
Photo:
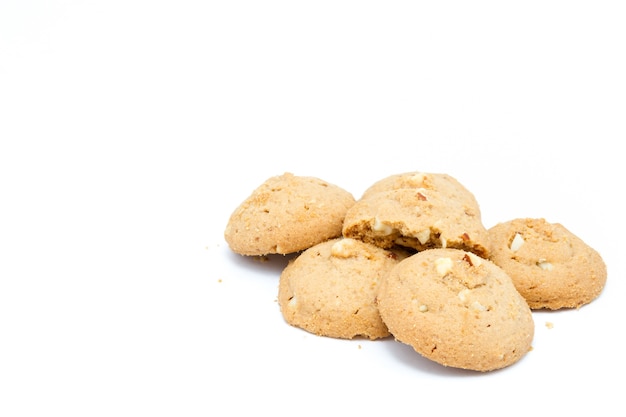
x=411 y=259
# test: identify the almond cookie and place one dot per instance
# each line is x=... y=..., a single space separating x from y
x=550 y=266
x=417 y=218
x=456 y=309
x=443 y=183
x=330 y=289
x=287 y=214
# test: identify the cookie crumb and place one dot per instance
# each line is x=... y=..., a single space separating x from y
x=549 y=324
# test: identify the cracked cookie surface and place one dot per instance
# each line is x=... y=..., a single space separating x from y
x=417 y=218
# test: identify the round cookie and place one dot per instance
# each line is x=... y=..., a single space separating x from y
x=442 y=183
x=287 y=214
x=417 y=218
x=330 y=289
x=456 y=309
x=550 y=266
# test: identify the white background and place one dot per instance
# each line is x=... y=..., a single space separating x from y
x=130 y=130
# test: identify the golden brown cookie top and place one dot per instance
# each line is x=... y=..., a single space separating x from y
x=550 y=266
x=330 y=289
x=443 y=183
x=457 y=309
x=287 y=214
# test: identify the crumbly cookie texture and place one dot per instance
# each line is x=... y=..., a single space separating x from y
x=330 y=289
x=417 y=218
x=457 y=309
x=411 y=259
x=287 y=214
x=550 y=266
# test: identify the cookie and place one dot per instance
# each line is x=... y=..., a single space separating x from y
x=287 y=214
x=456 y=309
x=550 y=266
x=330 y=289
x=417 y=218
x=442 y=183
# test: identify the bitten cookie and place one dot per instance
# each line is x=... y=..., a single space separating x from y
x=330 y=289
x=550 y=266
x=417 y=218
x=287 y=214
x=456 y=309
